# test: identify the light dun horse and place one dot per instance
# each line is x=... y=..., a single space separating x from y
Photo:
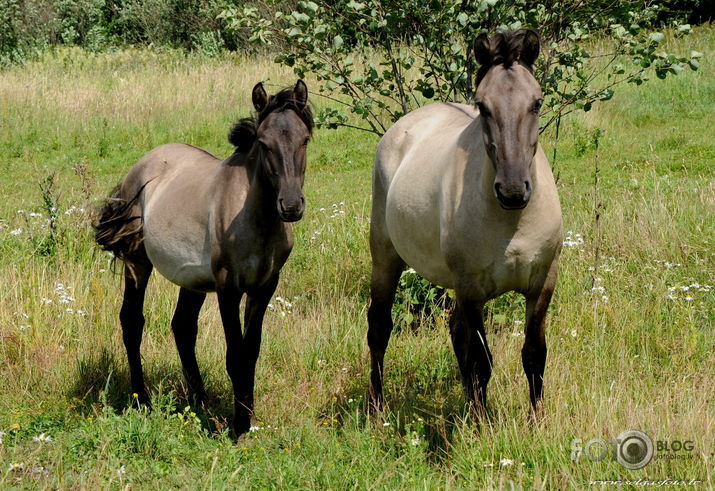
x=466 y=197
x=209 y=225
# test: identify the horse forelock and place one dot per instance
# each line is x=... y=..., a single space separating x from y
x=244 y=132
x=505 y=50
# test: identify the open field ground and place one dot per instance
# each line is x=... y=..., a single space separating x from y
x=635 y=352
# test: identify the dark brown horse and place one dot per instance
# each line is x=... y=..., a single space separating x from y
x=208 y=225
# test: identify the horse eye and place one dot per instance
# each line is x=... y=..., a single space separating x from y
x=305 y=143
x=483 y=109
x=537 y=105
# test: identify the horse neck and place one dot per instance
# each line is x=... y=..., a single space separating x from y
x=260 y=198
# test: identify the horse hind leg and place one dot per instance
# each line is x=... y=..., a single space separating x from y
x=386 y=269
x=533 y=353
x=185 y=327
x=131 y=317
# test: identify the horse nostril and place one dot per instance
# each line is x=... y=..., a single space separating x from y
x=280 y=204
x=527 y=184
x=496 y=189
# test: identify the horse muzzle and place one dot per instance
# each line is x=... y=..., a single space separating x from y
x=291 y=211
x=513 y=197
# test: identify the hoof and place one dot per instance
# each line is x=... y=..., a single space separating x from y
x=241 y=425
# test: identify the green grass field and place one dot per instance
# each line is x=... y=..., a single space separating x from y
x=635 y=353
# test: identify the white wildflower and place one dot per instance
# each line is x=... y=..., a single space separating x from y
x=506 y=462
x=42 y=438
x=17 y=231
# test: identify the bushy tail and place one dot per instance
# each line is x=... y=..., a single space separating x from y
x=116 y=229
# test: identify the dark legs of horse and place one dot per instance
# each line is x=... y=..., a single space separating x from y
x=136 y=277
x=185 y=326
x=242 y=350
x=386 y=270
x=469 y=340
x=533 y=353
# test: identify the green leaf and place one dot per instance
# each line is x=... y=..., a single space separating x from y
x=337 y=41
x=428 y=92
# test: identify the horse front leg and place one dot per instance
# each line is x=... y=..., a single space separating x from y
x=229 y=296
x=533 y=353
x=469 y=340
x=256 y=303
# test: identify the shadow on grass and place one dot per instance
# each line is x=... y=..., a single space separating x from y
x=436 y=411
x=103 y=380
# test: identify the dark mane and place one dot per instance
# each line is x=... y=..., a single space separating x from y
x=505 y=49
x=243 y=133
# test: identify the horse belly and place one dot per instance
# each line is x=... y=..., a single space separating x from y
x=180 y=252
x=413 y=223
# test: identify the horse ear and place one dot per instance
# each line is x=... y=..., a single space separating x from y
x=300 y=94
x=530 y=46
x=482 y=50
x=260 y=98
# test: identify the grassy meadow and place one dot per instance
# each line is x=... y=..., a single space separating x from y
x=631 y=349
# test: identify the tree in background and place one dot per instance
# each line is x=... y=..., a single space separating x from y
x=382 y=58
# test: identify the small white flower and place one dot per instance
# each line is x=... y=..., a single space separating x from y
x=506 y=462
x=46 y=301
x=17 y=231
x=385 y=424
x=16 y=466
x=415 y=441
x=122 y=470
x=671 y=297
x=573 y=333
x=24 y=327
x=42 y=438
x=689 y=298
x=254 y=428
x=322 y=363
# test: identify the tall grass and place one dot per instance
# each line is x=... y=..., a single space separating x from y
x=636 y=352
